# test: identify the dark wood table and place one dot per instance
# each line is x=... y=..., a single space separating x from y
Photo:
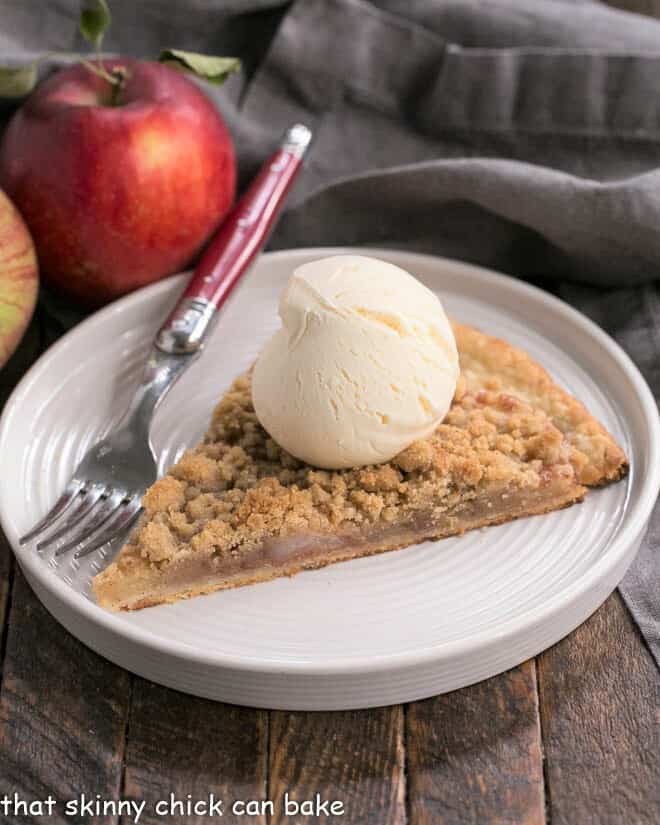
x=568 y=738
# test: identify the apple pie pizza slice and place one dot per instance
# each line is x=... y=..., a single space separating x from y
x=238 y=510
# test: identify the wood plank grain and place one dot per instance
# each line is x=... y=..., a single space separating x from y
x=63 y=713
x=189 y=747
x=599 y=693
x=474 y=755
x=6 y=561
x=10 y=374
x=352 y=757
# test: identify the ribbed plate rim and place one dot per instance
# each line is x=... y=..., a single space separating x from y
x=634 y=522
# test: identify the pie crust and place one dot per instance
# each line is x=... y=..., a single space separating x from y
x=238 y=510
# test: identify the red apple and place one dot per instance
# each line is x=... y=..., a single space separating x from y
x=120 y=190
x=18 y=277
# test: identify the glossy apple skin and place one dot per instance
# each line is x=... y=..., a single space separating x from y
x=19 y=279
x=117 y=196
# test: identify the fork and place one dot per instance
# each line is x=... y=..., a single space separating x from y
x=103 y=497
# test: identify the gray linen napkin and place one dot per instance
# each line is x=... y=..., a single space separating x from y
x=520 y=134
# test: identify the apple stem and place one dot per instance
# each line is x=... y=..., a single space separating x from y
x=98 y=70
x=116 y=78
x=120 y=73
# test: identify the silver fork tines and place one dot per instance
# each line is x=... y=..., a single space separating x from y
x=73 y=488
x=83 y=505
x=124 y=516
x=109 y=504
x=102 y=499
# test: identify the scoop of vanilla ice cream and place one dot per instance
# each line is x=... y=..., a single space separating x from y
x=364 y=364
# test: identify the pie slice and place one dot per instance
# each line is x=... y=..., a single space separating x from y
x=238 y=510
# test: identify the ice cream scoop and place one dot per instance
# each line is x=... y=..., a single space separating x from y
x=364 y=364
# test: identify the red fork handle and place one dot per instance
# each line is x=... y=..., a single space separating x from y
x=237 y=243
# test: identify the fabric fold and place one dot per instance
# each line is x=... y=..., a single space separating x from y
x=553 y=91
x=501 y=24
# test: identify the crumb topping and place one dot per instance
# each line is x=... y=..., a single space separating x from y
x=489 y=363
x=239 y=487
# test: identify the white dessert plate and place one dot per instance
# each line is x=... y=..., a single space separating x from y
x=391 y=628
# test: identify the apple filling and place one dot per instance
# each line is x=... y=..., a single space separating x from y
x=305 y=551
x=136 y=583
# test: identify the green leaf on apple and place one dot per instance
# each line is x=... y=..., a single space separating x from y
x=17 y=81
x=94 y=20
x=214 y=69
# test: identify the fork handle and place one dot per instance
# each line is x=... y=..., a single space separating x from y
x=234 y=247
